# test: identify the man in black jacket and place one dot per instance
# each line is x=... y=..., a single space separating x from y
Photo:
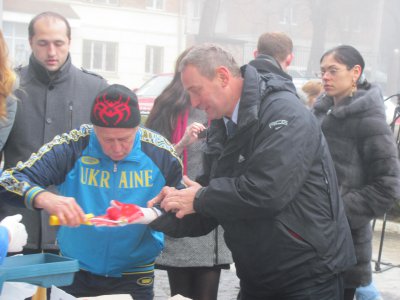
x=270 y=182
x=278 y=45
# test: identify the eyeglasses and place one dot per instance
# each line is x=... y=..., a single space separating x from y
x=331 y=72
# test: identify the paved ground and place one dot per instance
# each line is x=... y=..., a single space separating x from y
x=387 y=280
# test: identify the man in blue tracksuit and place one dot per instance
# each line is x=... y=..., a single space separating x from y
x=114 y=159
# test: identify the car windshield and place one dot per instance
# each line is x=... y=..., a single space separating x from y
x=154 y=86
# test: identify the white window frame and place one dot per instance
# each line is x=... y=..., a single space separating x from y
x=104 y=2
x=288 y=16
x=153 y=64
x=12 y=40
x=88 y=45
x=155 y=4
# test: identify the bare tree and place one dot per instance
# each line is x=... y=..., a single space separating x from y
x=208 y=21
x=319 y=15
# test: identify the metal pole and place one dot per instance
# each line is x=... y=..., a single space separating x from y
x=378 y=262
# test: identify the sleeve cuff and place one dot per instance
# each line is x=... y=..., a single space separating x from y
x=197 y=200
x=30 y=197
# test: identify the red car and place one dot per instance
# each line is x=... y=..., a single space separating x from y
x=150 y=90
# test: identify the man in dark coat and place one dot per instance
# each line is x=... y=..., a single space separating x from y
x=53 y=97
x=270 y=182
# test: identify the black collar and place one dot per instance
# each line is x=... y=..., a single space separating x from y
x=43 y=75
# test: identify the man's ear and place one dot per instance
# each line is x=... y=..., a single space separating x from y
x=223 y=75
x=255 y=53
x=289 y=59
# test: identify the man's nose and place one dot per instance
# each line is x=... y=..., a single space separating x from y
x=116 y=147
x=51 y=49
x=195 y=101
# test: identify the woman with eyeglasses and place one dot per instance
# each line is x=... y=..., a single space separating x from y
x=352 y=116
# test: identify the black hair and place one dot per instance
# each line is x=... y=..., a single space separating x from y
x=349 y=56
x=48 y=14
x=172 y=102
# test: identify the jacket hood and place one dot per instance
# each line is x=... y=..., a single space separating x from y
x=261 y=77
x=267 y=64
x=272 y=73
x=368 y=101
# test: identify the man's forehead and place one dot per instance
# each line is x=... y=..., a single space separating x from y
x=114 y=131
x=46 y=24
x=192 y=74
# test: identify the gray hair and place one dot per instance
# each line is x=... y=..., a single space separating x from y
x=207 y=57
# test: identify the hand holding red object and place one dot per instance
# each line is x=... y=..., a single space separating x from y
x=119 y=214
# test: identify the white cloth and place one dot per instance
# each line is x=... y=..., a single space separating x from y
x=17 y=291
x=16 y=231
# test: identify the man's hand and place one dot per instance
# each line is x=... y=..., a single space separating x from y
x=178 y=201
x=65 y=208
x=120 y=214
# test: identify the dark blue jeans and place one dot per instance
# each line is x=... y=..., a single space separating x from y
x=329 y=290
x=139 y=286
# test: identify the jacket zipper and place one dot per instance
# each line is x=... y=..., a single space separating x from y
x=70 y=107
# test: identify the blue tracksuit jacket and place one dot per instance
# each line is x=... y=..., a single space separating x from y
x=76 y=164
x=3 y=243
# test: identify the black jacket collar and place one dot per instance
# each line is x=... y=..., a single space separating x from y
x=267 y=64
x=46 y=77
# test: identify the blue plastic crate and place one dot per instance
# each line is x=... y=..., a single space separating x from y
x=42 y=269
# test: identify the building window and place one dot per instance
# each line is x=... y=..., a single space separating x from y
x=154 y=59
x=288 y=16
x=197 y=9
x=100 y=56
x=109 y=2
x=16 y=37
x=155 y=4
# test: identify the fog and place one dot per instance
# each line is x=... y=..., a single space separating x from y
x=127 y=41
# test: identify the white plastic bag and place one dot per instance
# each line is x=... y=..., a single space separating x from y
x=17 y=291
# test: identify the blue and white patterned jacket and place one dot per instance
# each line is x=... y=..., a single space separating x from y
x=76 y=164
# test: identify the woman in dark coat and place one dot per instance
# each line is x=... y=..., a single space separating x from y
x=352 y=117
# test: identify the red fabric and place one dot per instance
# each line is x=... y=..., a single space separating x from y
x=118 y=214
x=179 y=131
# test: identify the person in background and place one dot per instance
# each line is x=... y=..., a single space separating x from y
x=193 y=264
x=53 y=97
x=8 y=104
x=272 y=185
x=275 y=50
x=352 y=117
x=277 y=45
x=312 y=89
x=113 y=159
